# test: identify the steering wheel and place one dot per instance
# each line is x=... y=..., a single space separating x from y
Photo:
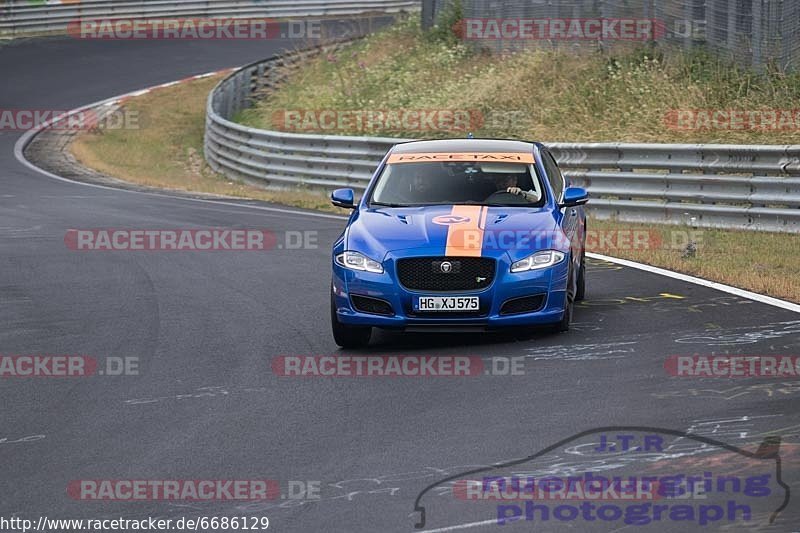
x=505 y=197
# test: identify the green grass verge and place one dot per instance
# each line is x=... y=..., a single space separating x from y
x=549 y=95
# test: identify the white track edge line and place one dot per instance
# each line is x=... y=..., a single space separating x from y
x=25 y=139
x=769 y=300
x=460 y=526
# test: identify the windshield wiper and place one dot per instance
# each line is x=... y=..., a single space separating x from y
x=385 y=204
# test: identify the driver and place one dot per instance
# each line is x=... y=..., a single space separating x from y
x=418 y=185
x=508 y=183
x=415 y=189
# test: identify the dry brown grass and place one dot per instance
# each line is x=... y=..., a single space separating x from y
x=166 y=150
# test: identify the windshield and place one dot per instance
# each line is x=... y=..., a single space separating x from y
x=457 y=182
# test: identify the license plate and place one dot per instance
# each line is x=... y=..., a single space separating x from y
x=447 y=303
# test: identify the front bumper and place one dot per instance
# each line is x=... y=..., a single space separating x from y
x=550 y=282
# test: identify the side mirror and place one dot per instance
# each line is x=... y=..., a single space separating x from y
x=574 y=196
x=343 y=198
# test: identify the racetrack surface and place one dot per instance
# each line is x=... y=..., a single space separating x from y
x=206 y=325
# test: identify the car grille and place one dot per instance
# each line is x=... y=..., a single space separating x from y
x=526 y=304
x=465 y=273
x=374 y=306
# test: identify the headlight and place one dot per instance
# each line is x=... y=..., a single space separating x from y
x=357 y=261
x=538 y=260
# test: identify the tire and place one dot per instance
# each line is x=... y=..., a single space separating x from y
x=348 y=336
x=580 y=291
x=563 y=324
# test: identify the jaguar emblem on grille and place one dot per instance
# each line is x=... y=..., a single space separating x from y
x=446 y=267
x=479 y=279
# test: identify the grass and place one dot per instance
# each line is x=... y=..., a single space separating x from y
x=170 y=156
x=761 y=262
x=549 y=95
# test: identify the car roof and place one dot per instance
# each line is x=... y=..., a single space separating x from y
x=464 y=145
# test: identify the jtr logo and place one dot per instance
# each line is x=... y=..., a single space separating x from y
x=447 y=220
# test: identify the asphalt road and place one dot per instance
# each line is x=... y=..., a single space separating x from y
x=206 y=325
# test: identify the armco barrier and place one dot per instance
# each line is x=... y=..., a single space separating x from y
x=18 y=17
x=749 y=187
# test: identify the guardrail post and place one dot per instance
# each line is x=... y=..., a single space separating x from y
x=756 y=35
x=260 y=78
x=428 y=14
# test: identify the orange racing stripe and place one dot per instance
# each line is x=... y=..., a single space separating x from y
x=466 y=240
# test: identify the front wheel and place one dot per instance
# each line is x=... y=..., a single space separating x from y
x=566 y=319
x=580 y=292
x=348 y=336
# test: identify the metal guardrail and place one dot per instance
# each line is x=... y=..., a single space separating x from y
x=18 y=17
x=733 y=186
x=749 y=187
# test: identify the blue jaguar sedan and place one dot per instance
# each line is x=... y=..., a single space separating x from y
x=459 y=235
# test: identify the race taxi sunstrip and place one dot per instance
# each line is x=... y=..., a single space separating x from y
x=459 y=235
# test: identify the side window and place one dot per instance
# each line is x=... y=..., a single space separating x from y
x=553 y=175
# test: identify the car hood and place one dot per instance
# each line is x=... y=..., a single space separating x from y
x=454 y=230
